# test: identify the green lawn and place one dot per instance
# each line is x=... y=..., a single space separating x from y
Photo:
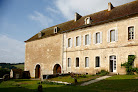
x=117 y=83
x=20 y=66
x=69 y=79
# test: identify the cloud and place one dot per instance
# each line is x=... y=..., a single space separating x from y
x=52 y=10
x=44 y=21
x=84 y=7
x=11 y=50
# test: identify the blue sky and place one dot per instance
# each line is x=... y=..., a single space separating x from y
x=21 y=19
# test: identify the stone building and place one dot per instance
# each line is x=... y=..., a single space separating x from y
x=87 y=44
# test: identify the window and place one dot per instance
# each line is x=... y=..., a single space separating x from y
x=77 y=62
x=97 y=63
x=69 y=62
x=77 y=41
x=55 y=29
x=112 y=35
x=87 y=20
x=69 y=42
x=131 y=33
x=87 y=39
x=98 y=37
x=86 y=61
x=130 y=58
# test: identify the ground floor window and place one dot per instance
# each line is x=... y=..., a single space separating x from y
x=69 y=62
x=97 y=62
x=86 y=61
x=77 y=62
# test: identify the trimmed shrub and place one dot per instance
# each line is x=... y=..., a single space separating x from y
x=102 y=73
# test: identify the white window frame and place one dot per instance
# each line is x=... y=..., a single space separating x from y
x=131 y=33
x=86 y=62
x=95 y=37
x=55 y=29
x=71 y=40
x=89 y=39
x=114 y=70
x=79 y=41
x=87 y=20
x=69 y=62
x=109 y=36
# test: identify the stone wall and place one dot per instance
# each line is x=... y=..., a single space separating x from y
x=52 y=50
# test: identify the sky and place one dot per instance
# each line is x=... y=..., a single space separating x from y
x=21 y=19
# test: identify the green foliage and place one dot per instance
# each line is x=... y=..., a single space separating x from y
x=129 y=65
x=102 y=73
x=3 y=71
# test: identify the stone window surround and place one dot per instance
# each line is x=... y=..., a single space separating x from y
x=88 y=62
x=116 y=35
x=127 y=32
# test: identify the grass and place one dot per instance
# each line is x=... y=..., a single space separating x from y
x=117 y=83
x=20 y=66
x=69 y=79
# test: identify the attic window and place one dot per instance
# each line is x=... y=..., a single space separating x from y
x=87 y=20
x=39 y=34
x=55 y=30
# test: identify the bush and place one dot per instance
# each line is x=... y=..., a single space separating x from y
x=102 y=73
x=128 y=65
x=3 y=72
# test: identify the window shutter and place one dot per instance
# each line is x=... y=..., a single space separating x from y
x=83 y=39
x=66 y=43
x=79 y=40
x=71 y=42
x=94 y=38
x=101 y=37
x=74 y=41
x=108 y=36
x=89 y=38
x=116 y=35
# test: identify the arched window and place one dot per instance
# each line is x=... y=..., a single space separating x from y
x=97 y=61
x=77 y=62
x=87 y=20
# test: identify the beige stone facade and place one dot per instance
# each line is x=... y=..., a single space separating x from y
x=52 y=50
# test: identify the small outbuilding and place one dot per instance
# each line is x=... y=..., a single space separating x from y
x=16 y=73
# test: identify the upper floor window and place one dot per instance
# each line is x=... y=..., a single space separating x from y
x=97 y=61
x=77 y=41
x=69 y=42
x=87 y=39
x=112 y=35
x=87 y=20
x=98 y=37
x=131 y=33
x=77 y=62
x=55 y=30
x=86 y=61
x=69 y=62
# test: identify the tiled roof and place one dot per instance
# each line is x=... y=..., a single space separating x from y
x=104 y=16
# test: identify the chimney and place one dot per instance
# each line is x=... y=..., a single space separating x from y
x=77 y=16
x=110 y=6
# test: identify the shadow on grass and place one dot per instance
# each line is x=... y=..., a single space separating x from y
x=116 y=85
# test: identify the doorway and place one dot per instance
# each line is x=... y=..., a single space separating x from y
x=57 y=69
x=112 y=63
x=37 y=71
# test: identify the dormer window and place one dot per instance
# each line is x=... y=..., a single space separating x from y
x=87 y=20
x=39 y=34
x=55 y=30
